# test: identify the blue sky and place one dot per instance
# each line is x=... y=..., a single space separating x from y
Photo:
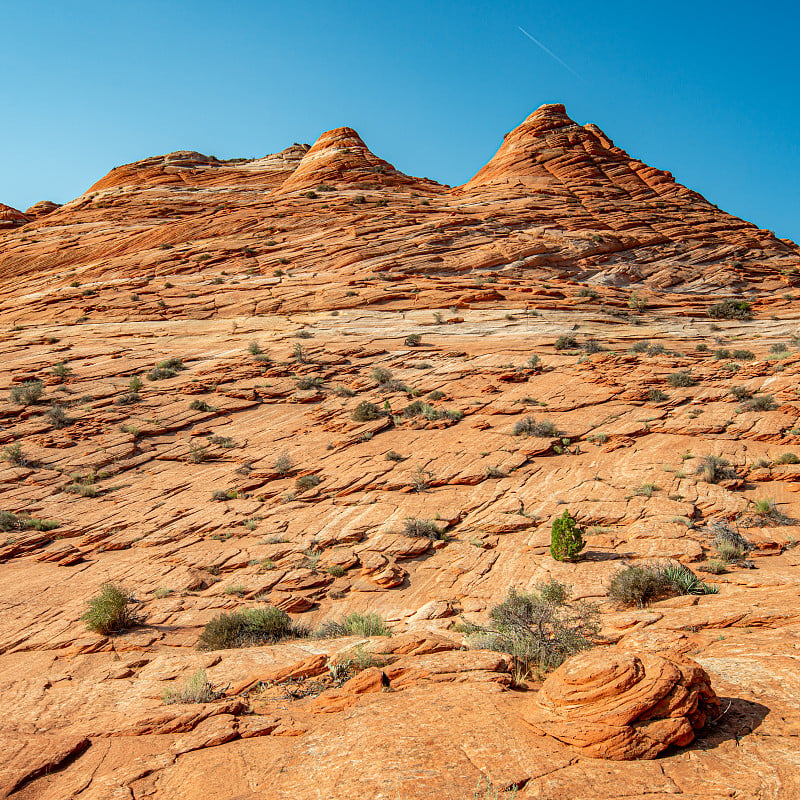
x=707 y=90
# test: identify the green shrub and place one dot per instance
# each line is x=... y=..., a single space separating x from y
x=305 y=482
x=759 y=402
x=109 y=611
x=422 y=529
x=393 y=456
x=730 y=309
x=566 y=540
x=247 y=628
x=713 y=468
x=366 y=412
x=283 y=464
x=381 y=375
x=309 y=382
x=14 y=455
x=343 y=391
x=740 y=393
x=743 y=355
x=787 y=458
x=194 y=689
x=58 y=417
x=166 y=369
x=354 y=624
x=657 y=396
x=412 y=340
x=540 y=629
x=681 y=379
x=27 y=393
x=61 y=371
x=566 y=343
x=529 y=426
x=640 y=585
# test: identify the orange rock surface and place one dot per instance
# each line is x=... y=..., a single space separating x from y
x=567 y=283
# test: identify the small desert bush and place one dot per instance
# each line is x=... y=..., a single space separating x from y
x=340 y=390
x=740 y=393
x=787 y=458
x=366 y=412
x=247 y=628
x=57 y=416
x=381 y=375
x=681 y=379
x=759 y=402
x=541 y=629
x=529 y=426
x=422 y=529
x=194 y=689
x=640 y=585
x=713 y=468
x=392 y=455
x=730 y=309
x=305 y=482
x=27 y=393
x=566 y=539
x=109 y=611
x=412 y=340
x=729 y=545
x=354 y=624
x=200 y=405
x=566 y=343
x=657 y=396
x=283 y=464
x=168 y=368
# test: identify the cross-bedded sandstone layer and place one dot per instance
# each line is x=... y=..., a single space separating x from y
x=278 y=295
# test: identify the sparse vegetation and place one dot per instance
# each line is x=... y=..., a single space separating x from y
x=305 y=482
x=366 y=412
x=681 y=379
x=165 y=369
x=283 y=464
x=28 y=393
x=412 y=340
x=194 y=689
x=354 y=624
x=246 y=628
x=758 y=402
x=730 y=309
x=201 y=405
x=532 y=427
x=109 y=610
x=422 y=529
x=540 y=629
x=566 y=342
x=713 y=468
x=641 y=585
x=566 y=538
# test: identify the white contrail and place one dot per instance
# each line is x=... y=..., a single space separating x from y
x=550 y=53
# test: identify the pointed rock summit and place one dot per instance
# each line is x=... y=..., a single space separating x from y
x=549 y=149
x=340 y=158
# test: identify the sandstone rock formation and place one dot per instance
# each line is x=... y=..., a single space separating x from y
x=183 y=350
x=622 y=706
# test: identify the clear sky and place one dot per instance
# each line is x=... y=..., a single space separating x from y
x=707 y=90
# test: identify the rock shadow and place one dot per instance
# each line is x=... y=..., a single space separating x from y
x=738 y=719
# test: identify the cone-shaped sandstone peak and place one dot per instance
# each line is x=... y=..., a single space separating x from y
x=551 y=149
x=341 y=158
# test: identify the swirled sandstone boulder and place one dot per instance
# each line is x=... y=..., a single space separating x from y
x=622 y=706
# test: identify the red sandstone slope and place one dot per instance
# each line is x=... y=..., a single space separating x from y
x=557 y=201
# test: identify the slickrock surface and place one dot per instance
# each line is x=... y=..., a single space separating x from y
x=280 y=293
x=622 y=707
